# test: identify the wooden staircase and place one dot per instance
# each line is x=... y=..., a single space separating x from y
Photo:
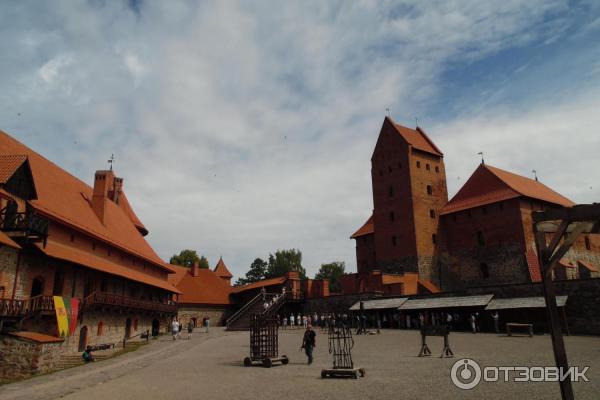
x=240 y=321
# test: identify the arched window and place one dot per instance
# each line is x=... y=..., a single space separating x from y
x=429 y=190
x=100 y=328
x=135 y=324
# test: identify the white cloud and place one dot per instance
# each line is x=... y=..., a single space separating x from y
x=240 y=129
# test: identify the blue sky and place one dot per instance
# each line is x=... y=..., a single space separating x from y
x=241 y=127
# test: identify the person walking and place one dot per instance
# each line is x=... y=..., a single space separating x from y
x=292 y=322
x=473 y=320
x=309 y=342
x=284 y=322
x=174 y=328
x=207 y=324
x=190 y=328
x=496 y=319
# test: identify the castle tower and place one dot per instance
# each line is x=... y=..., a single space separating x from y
x=409 y=190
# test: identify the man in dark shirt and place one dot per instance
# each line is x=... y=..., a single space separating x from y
x=309 y=342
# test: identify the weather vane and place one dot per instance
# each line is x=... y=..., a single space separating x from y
x=111 y=160
x=387 y=111
x=534 y=174
x=481 y=154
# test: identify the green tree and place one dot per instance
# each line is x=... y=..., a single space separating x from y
x=333 y=272
x=285 y=261
x=255 y=274
x=187 y=258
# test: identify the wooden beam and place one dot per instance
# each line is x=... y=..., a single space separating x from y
x=580 y=212
x=553 y=226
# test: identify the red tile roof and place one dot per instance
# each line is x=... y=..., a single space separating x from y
x=64 y=198
x=9 y=163
x=206 y=288
x=6 y=240
x=265 y=282
x=77 y=256
x=535 y=272
x=366 y=229
x=417 y=138
x=490 y=185
x=126 y=207
x=36 y=337
x=4 y=194
x=221 y=269
x=587 y=265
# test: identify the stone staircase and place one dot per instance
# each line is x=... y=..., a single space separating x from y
x=74 y=360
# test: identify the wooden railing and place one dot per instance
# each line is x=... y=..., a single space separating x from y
x=111 y=299
x=22 y=307
x=12 y=307
x=244 y=309
x=31 y=224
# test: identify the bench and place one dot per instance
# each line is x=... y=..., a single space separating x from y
x=512 y=325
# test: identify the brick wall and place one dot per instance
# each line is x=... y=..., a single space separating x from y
x=21 y=358
x=8 y=263
x=365 y=253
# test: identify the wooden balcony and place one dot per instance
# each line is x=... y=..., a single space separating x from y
x=22 y=307
x=99 y=300
x=25 y=224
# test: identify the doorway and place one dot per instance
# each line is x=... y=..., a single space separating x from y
x=155 y=327
x=83 y=338
x=127 y=328
x=37 y=287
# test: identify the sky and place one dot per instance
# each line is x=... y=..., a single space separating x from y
x=245 y=127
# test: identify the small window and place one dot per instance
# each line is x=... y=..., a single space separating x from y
x=94 y=246
x=391 y=191
x=427 y=167
x=437 y=169
x=418 y=164
x=588 y=245
x=72 y=237
x=394 y=241
x=434 y=238
x=108 y=252
x=429 y=190
x=480 y=238
x=392 y=216
x=100 y=331
x=135 y=324
x=432 y=213
x=485 y=271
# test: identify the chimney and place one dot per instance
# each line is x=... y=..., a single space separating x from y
x=195 y=268
x=117 y=189
x=102 y=182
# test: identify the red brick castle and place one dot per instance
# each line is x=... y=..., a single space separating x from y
x=483 y=235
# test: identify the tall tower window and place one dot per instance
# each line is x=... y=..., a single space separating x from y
x=434 y=238
x=418 y=164
x=480 y=238
x=437 y=169
x=588 y=245
x=485 y=271
x=427 y=167
x=394 y=241
x=392 y=216
x=429 y=190
x=432 y=213
x=391 y=191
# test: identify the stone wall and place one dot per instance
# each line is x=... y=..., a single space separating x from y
x=216 y=314
x=22 y=358
x=582 y=309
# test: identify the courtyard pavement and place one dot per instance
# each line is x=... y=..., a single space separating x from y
x=210 y=367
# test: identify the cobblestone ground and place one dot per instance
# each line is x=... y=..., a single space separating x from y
x=210 y=367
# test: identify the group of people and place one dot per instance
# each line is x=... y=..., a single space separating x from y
x=177 y=327
x=303 y=321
